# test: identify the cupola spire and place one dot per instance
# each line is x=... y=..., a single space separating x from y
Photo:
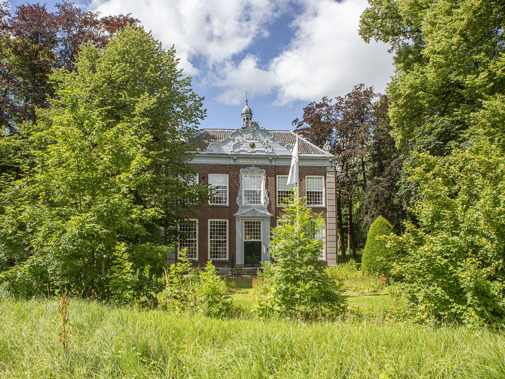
x=246 y=112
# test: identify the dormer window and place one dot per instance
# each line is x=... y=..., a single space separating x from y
x=252 y=189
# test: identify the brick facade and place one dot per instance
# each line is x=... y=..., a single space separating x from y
x=227 y=212
x=251 y=152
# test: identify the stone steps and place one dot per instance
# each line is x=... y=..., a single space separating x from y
x=244 y=271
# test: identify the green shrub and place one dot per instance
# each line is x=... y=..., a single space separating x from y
x=195 y=290
x=452 y=266
x=296 y=284
x=212 y=290
x=377 y=256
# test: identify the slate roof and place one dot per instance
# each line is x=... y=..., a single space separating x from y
x=207 y=136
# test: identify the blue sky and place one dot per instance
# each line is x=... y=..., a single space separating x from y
x=287 y=53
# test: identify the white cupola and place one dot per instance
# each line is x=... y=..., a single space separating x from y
x=246 y=114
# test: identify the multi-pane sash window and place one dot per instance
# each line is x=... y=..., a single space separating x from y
x=252 y=230
x=321 y=235
x=314 y=186
x=252 y=189
x=219 y=185
x=283 y=191
x=191 y=180
x=218 y=239
x=189 y=238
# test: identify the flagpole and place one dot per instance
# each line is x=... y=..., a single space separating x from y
x=294 y=177
x=294 y=173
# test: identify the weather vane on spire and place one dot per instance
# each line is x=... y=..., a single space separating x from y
x=245 y=90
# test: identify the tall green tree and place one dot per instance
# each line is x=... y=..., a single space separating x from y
x=453 y=268
x=356 y=128
x=296 y=284
x=84 y=215
x=34 y=42
x=134 y=77
x=447 y=102
x=446 y=53
x=385 y=167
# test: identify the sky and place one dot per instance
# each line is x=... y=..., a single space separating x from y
x=286 y=53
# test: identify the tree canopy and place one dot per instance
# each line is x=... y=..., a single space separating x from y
x=447 y=109
x=35 y=42
x=356 y=129
x=296 y=284
x=448 y=58
x=84 y=215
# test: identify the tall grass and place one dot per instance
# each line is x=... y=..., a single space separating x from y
x=123 y=342
x=355 y=280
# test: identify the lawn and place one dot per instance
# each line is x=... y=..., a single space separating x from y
x=112 y=341
x=379 y=303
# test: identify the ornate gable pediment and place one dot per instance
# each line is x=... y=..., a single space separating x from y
x=252 y=212
x=250 y=140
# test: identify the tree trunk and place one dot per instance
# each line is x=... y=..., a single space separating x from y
x=364 y=173
x=350 y=230
x=340 y=226
x=165 y=235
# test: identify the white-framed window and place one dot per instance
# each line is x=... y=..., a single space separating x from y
x=189 y=238
x=192 y=179
x=219 y=185
x=321 y=235
x=252 y=189
x=314 y=186
x=252 y=230
x=283 y=190
x=218 y=239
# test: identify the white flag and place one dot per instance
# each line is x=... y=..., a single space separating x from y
x=293 y=170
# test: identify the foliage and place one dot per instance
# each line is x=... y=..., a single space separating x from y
x=446 y=104
x=354 y=279
x=133 y=77
x=213 y=293
x=356 y=130
x=446 y=54
x=454 y=263
x=34 y=42
x=81 y=216
x=296 y=284
x=385 y=167
x=189 y=289
x=378 y=257
x=343 y=124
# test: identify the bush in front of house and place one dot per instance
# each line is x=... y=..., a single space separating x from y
x=296 y=284
x=195 y=290
x=378 y=257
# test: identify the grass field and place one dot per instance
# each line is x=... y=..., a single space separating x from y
x=109 y=341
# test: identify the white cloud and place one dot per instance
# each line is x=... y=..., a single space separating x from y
x=214 y=30
x=327 y=56
x=246 y=74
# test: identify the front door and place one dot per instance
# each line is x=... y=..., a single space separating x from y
x=252 y=253
x=252 y=243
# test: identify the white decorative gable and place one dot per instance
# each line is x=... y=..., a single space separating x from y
x=250 y=140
